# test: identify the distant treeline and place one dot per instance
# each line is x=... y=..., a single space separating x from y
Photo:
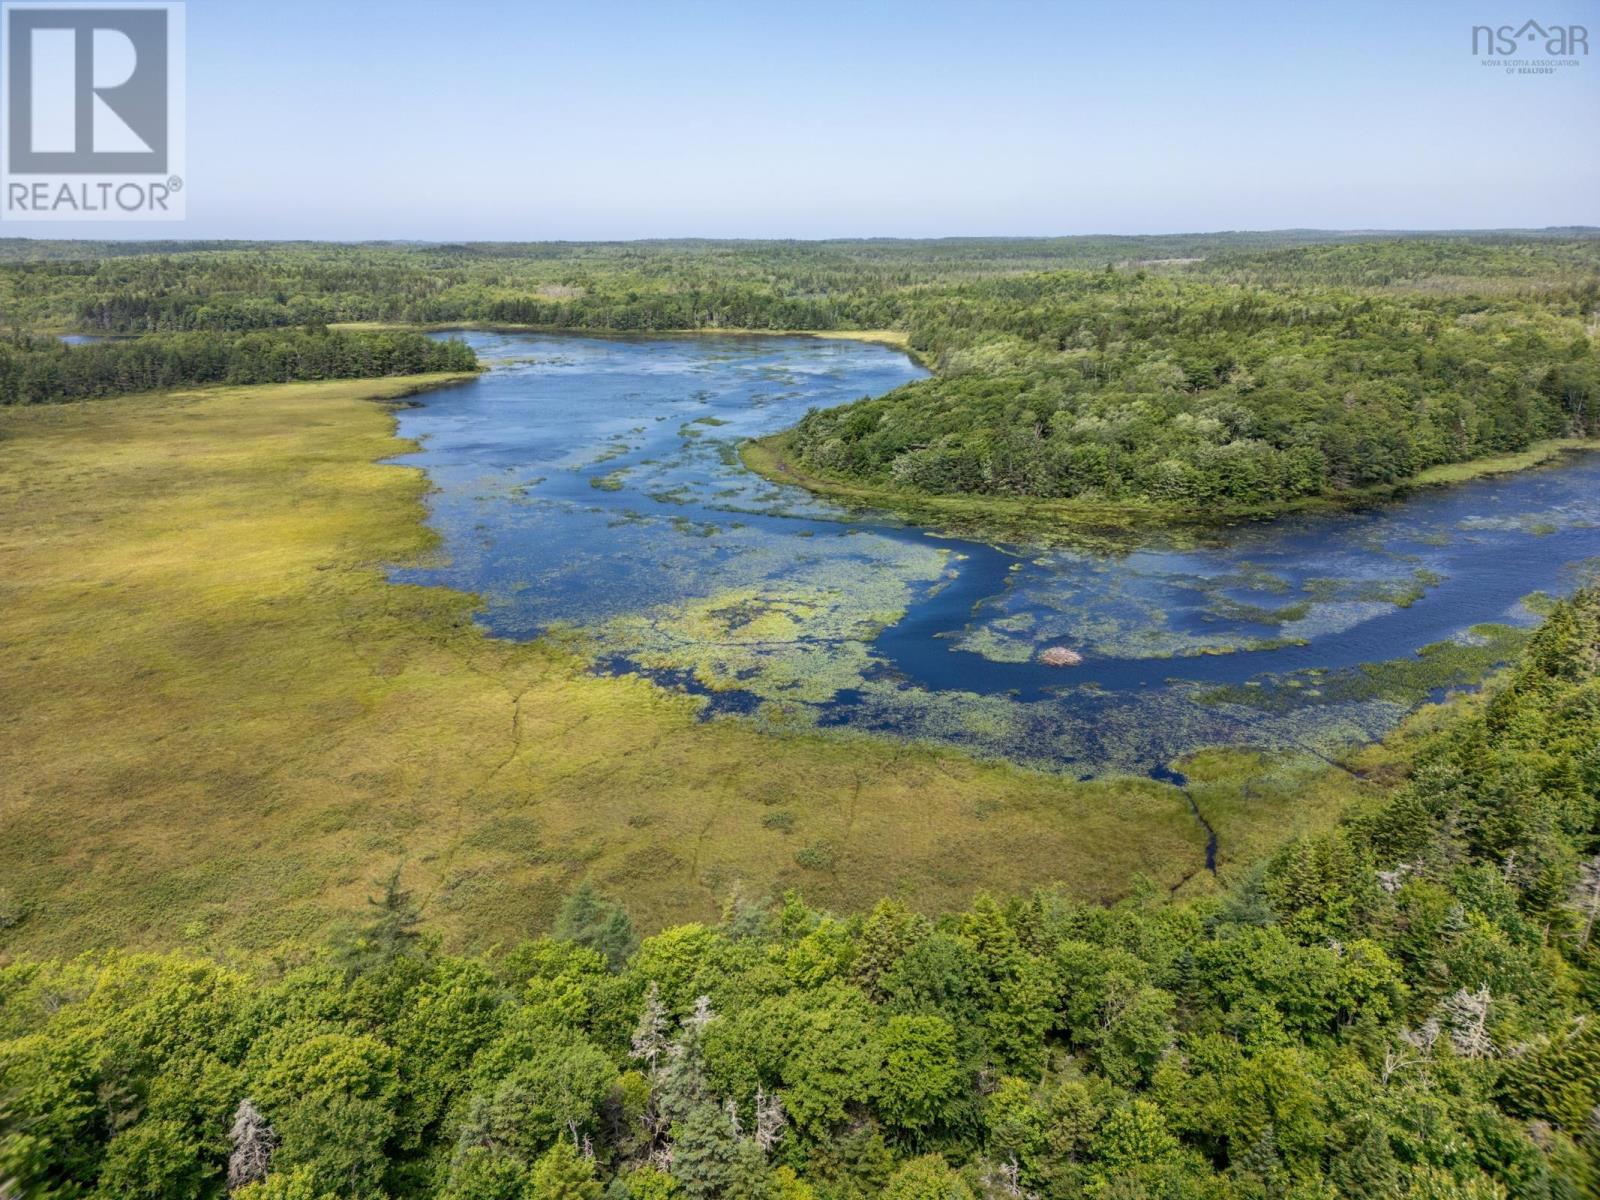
x=44 y=370
x=666 y=285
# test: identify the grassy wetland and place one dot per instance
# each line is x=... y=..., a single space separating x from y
x=223 y=722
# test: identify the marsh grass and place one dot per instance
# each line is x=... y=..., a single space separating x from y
x=1535 y=455
x=220 y=724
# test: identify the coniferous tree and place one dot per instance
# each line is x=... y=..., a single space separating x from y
x=563 y=1174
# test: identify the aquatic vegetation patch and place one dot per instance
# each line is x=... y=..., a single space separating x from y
x=1400 y=592
x=1535 y=524
x=619 y=447
x=994 y=643
x=1464 y=661
x=1229 y=609
x=702 y=529
x=801 y=639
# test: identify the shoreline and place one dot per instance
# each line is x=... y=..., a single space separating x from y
x=895 y=338
x=769 y=457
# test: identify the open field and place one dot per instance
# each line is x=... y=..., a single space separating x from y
x=219 y=724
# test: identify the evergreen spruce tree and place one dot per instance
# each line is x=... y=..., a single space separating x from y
x=563 y=1174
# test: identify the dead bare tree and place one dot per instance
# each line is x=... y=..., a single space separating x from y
x=650 y=1036
x=253 y=1144
x=1396 y=1060
x=1390 y=881
x=1466 y=1015
x=702 y=1015
x=1006 y=1179
x=1586 y=896
x=770 y=1120
x=1414 y=1050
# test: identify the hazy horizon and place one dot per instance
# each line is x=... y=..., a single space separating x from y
x=136 y=233
x=492 y=121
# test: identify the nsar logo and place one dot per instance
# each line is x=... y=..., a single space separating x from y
x=1531 y=48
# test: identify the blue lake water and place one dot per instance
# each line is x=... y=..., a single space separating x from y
x=592 y=486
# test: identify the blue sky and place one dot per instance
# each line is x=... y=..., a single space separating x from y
x=480 y=119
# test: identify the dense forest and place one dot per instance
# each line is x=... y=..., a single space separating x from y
x=1193 y=371
x=1193 y=390
x=1399 y=1008
x=43 y=370
x=133 y=287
